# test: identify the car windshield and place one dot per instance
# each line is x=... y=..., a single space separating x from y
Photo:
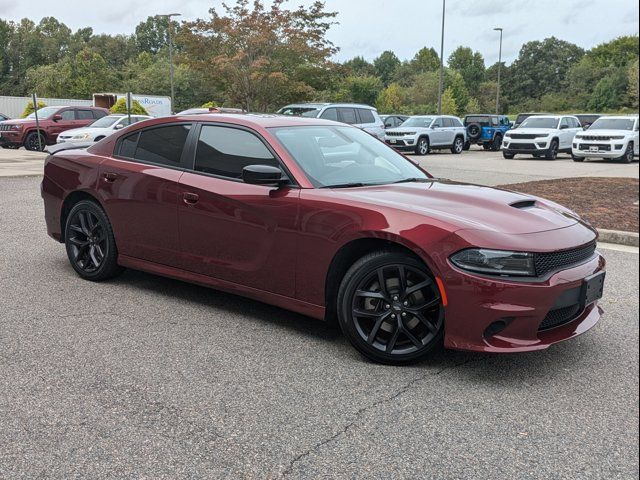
x=333 y=156
x=613 y=124
x=540 y=122
x=311 y=112
x=423 y=122
x=105 y=122
x=477 y=119
x=44 y=112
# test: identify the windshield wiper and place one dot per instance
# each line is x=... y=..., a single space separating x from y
x=348 y=185
x=417 y=180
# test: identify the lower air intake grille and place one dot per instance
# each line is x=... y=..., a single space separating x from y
x=560 y=316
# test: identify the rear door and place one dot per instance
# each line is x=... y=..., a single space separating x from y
x=231 y=230
x=84 y=117
x=139 y=188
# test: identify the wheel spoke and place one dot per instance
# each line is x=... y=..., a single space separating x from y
x=94 y=258
x=392 y=341
x=383 y=282
x=367 y=294
x=99 y=252
x=402 y=278
x=432 y=328
x=77 y=229
x=417 y=287
x=366 y=313
x=83 y=223
x=77 y=242
x=91 y=225
x=411 y=337
x=418 y=308
x=376 y=328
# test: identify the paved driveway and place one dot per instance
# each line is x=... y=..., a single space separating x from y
x=145 y=377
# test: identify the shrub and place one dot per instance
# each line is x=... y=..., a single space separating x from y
x=121 y=107
x=211 y=104
x=29 y=108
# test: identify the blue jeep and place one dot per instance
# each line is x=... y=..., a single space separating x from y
x=486 y=130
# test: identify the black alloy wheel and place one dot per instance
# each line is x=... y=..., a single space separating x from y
x=552 y=153
x=31 y=142
x=90 y=243
x=628 y=154
x=423 y=146
x=391 y=309
x=458 y=146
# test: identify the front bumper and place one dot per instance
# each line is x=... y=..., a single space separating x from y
x=401 y=143
x=602 y=149
x=533 y=146
x=11 y=138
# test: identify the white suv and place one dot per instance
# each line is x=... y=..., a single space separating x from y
x=541 y=136
x=361 y=116
x=608 y=137
x=421 y=134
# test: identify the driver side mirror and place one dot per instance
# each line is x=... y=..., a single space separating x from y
x=120 y=126
x=57 y=117
x=263 y=175
x=564 y=127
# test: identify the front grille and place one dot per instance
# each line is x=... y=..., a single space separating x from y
x=560 y=316
x=399 y=134
x=523 y=136
x=592 y=138
x=4 y=128
x=555 y=261
x=606 y=148
x=524 y=146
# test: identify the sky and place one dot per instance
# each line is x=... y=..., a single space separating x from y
x=368 y=27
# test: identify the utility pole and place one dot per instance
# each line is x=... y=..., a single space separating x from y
x=499 y=29
x=170 y=32
x=441 y=61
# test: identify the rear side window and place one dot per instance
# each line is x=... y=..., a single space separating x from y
x=348 y=115
x=225 y=151
x=457 y=122
x=161 y=145
x=128 y=145
x=68 y=115
x=99 y=114
x=366 y=116
x=84 y=115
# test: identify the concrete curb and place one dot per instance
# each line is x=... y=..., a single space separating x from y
x=630 y=239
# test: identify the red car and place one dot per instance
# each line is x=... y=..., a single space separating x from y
x=323 y=219
x=53 y=121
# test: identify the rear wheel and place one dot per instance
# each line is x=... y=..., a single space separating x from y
x=91 y=246
x=458 y=145
x=486 y=146
x=31 y=142
x=390 y=308
x=467 y=146
x=552 y=153
x=422 y=148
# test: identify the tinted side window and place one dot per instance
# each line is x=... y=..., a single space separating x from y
x=366 y=116
x=348 y=115
x=494 y=121
x=226 y=151
x=128 y=145
x=68 y=115
x=457 y=122
x=84 y=114
x=564 y=122
x=162 y=145
x=437 y=123
x=390 y=122
x=330 y=114
x=99 y=114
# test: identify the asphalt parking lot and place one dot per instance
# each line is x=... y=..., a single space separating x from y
x=145 y=377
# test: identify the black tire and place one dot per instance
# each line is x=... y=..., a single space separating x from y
x=422 y=147
x=467 y=146
x=497 y=143
x=508 y=156
x=458 y=146
x=97 y=139
x=399 y=323
x=628 y=154
x=91 y=246
x=552 y=153
x=474 y=131
x=576 y=159
x=31 y=142
x=486 y=146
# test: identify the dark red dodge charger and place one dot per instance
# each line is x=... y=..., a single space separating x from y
x=323 y=219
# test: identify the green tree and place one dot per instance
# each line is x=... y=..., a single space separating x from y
x=469 y=64
x=473 y=106
x=391 y=99
x=385 y=66
x=455 y=82
x=153 y=34
x=359 y=67
x=616 y=53
x=610 y=92
x=121 y=107
x=255 y=54
x=449 y=106
x=634 y=87
x=28 y=109
x=360 y=90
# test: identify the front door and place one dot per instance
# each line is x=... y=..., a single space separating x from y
x=438 y=135
x=139 y=189
x=230 y=230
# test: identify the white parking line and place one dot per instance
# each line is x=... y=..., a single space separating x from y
x=618 y=248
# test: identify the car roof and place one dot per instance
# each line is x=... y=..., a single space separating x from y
x=629 y=117
x=321 y=105
x=255 y=119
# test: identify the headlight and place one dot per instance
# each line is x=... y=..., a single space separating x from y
x=621 y=137
x=495 y=262
x=579 y=137
x=508 y=135
x=16 y=127
x=81 y=136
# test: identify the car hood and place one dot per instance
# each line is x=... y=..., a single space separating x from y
x=606 y=133
x=21 y=121
x=466 y=206
x=79 y=131
x=534 y=131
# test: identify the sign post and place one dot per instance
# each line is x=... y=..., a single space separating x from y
x=35 y=111
x=129 y=106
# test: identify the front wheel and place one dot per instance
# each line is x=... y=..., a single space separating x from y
x=508 y=156
x=628 y=154
x=91 y=246
x=31 y=142
x=390 y=309
x=422 y=148
x=575 y=158
x=497 y=143
x=458 y=146
x=552 y=153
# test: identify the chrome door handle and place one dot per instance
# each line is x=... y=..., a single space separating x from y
x=190 y=198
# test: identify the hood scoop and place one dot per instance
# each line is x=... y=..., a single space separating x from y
x=523 y=204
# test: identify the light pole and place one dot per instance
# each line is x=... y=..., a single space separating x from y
x=169 y=30
x=440 y=85
x=498 y=29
